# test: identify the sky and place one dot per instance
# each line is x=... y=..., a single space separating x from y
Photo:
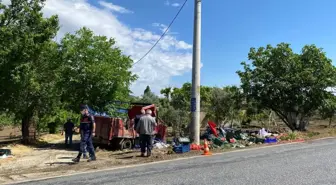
x=229 y=29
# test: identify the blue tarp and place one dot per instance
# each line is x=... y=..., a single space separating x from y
x=95 y=113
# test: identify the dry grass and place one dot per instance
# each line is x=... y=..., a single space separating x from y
x=51 y=138
x=20 y=150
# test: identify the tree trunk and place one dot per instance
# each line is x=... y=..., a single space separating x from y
x=330 y=120
x=28 y=131
x=302 y=125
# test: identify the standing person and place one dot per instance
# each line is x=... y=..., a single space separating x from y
x=87 y=131
x=145 y=128
x=68 y=129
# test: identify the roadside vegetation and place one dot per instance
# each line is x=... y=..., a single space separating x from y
x=44 y=81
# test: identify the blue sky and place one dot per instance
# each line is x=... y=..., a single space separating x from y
x=229 y=30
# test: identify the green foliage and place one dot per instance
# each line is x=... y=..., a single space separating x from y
x=180 y=97
x=226 y=104
x=290 y=136
x=292 y=85
x=6 y=119
x=166 y=92
x=26 y=60
x=147 y=90
x=42 y=81
x=312 y=134
x=177 y=119
x=94 y=71
x=112 y=110
x=56 y=119
x=328 y=108
x=149 y=97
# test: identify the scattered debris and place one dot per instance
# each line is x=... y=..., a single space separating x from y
x=5 y=153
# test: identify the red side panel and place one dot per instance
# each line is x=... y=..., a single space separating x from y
x=103 y=128
x=111 y=129
x=212 y=126
x=162 y=131
x=136 y=110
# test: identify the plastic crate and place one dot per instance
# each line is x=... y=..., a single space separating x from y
x=182 y=148
x=270 y=140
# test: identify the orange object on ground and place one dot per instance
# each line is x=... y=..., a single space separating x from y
x=206 y=148
x=195 y=147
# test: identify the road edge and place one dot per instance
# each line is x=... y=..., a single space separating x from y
x=164 y=161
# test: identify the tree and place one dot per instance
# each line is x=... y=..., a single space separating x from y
x=225 y=104
x=147 y=90
x=328 y=108
x=166 y=92
x=26 y=61
x=180 y=97
x=149 y=97
x=93 y=70
x=292 y=85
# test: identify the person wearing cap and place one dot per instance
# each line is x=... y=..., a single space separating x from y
x=68 y=129
x=145 y=128
x=87 y=131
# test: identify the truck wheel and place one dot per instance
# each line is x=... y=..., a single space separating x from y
x=126 y=144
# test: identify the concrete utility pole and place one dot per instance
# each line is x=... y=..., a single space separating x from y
x=195 y=94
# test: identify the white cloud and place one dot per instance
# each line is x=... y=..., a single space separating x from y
x=114 y=8
x=163 y=27
x=5 y=2
x=171 y=57
x=176 y=4
x=168 y=3
x=332 y=90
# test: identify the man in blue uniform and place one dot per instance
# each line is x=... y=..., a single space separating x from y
x=87 y=130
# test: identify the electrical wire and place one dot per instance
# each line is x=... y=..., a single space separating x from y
x=163 y=34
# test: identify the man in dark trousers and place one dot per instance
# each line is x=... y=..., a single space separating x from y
x=87 y=130
x=68 y=129
x=145 y=128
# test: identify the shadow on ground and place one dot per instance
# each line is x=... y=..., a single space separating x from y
x=55 y=146
x=61 y=163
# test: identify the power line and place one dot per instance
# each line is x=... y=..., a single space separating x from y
x=163 y=34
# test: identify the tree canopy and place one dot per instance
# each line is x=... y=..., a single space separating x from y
x=26 y=59
x=40 y=77
x=292 y=85
x=93 y=70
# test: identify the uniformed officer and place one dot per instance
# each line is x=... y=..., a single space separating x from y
x=87 y=130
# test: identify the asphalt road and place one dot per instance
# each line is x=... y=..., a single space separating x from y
x=304 y=163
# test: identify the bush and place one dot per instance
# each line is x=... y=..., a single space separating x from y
x=289 y=136
x=312 y=134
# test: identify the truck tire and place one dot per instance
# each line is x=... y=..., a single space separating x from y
x=126 y=144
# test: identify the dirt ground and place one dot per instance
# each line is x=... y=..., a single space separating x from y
x=51 y=158
x=54 y=159
x=10 y=133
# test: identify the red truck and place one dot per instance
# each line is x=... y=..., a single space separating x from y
x=120 y=134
